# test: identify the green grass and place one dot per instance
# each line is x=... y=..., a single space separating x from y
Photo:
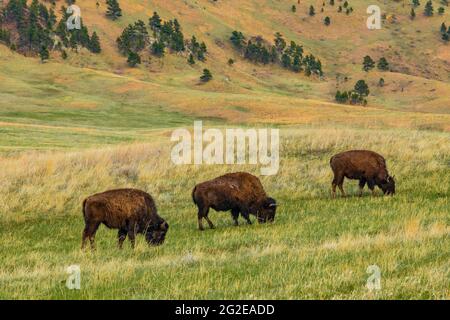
x=71 y=129
x=317 y=248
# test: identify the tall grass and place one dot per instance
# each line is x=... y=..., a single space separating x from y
x=317 y=247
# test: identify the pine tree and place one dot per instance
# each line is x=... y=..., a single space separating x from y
x=381 y=82
x=64 y=54
x=155 y=22
x=443 y=28
x=94 y=43
x=412 y=14
x=230 y=62
x=238 y=39
x=294 y=8
x=158 y=48
x=331 y=2
x=312 y=12
x=368 y=63
x=362 y=88
x=383 y=64
x=133 y=59
x=415 y=3
x=441 y=10
x=429 y=9
x=280 y=43
x=327 y=21
x=191 y=60
x=113 y=11
x=206 y=76
x=44 y=54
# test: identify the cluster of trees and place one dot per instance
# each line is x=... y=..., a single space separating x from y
x=290 y=56
x=445 y=32
x=113 y=10
x=165 y=35
x=428 y=9
x=369 y=64
x=37 y=30
x=356 y=96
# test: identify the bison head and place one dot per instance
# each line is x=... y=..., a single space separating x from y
x=388 y=185
x=156 y=233
x=267 y=211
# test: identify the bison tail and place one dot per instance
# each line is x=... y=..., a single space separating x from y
x=193 y=195
x=84 y=208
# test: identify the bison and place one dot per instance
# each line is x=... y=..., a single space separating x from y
x=239 y=192
x=129 y=210
x=363 y=165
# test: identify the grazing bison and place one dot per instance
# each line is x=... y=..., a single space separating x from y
x=129 y=210
x=363 y=165
x=239 y=192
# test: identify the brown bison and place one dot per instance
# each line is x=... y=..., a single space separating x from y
x=239 y=192
x=363 y=165
x=129 y=210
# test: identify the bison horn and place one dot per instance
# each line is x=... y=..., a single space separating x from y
x=272 y=205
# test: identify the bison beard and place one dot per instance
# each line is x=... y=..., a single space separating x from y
x=130 y=211
x=363 y=165
x=239 y=192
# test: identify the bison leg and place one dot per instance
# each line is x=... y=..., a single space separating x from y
x=235 y=216
x=362 y=183
x=246 y=216
x=211 y=225
x=203 y=213
x=121 y=235
x=371 y=185
x=338 y=181
x=132 y=236
x=89 y=232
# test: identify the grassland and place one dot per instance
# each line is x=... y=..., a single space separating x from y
x=69 y=129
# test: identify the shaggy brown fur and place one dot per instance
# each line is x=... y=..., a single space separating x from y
x=363 y=165
x=129 y=210
x=239 y=192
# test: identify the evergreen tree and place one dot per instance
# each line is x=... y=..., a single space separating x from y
x=113 y=10
x=443 y=28
x=312 y=12
x=368 y=63
x=415 y=3
x=381 y=82
x=429 y=9
x=327 y=21
x=206 y=76
x=441 y=10
x=191 y=60
x=286 y=61
x=280 y=43
x=383 y=64
x=238 y=39
x=64 y=54
x=133 y=59
x=294 y=8
x=158 y=48
x=362 y=88
x=331 y=2
x=412 y=14
x=296 y=64
x=94 y=43
x=155 y=22
x=230 y=62
x=44 y=54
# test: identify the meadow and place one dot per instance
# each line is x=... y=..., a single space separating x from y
x=71 y=128
x=317 y=248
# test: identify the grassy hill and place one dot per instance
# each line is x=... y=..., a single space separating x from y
x=69 y=128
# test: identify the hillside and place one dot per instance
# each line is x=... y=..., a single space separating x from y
x=247 y=92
